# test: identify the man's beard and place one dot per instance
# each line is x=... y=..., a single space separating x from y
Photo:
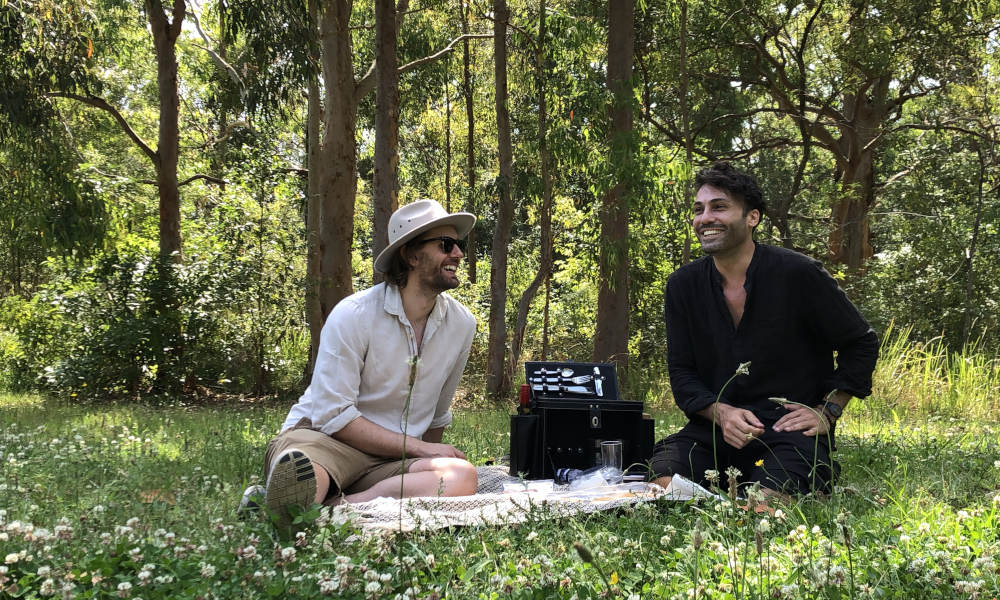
x=437 y=281
x=727 y=240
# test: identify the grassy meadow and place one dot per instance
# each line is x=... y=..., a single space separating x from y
x=124 y=501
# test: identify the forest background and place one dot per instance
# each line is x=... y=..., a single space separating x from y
x=187 y=188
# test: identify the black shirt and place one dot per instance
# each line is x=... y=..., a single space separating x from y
x=794 y=319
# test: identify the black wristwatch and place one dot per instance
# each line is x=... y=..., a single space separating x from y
x=833 y=410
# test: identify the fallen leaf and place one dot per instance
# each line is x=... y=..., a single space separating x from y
x=151 y=496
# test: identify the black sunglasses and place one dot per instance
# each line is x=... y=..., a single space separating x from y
x=447 y=243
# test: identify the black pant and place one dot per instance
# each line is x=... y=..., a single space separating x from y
x=786 y=461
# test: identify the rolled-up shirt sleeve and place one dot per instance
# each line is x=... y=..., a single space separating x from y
x=337 y=377
x=442 y=413
x=690 y=392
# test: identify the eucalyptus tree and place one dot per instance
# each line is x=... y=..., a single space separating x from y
x=843 y=71
x=612 y=333
x=495 y=364
x=327 y=39
x=544 y=271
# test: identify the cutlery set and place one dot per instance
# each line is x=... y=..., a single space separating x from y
x=567 y=380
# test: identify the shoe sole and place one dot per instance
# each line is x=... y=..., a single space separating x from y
x=292 y=483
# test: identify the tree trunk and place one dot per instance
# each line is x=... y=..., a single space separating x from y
x=470 y=146
x=336 y=166
x=545 y=251
x=688 y=137
x=314 y=312
x=611 y=335
x=495 y=371
x=850 y=239
x=165 y=34
x=386 y=188
x=166 y=334
x=970 y=254
x=447 y=135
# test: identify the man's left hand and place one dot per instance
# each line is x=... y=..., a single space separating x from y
x=809 y=420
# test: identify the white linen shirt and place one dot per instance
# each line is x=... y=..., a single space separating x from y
x=363 y=364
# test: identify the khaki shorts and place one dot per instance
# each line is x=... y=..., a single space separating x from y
x=351 y=469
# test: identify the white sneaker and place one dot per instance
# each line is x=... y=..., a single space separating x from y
x=291 y=482
x=251 y=502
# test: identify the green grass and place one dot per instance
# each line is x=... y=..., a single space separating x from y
x=122 y=501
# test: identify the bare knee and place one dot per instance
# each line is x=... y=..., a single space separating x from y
x=459 y=477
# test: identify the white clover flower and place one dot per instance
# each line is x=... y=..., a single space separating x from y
x=48 y=587
x=924 y=527
x=712 y=475
x=207 y=571
x=11 y=558
x=531 y=536
x=743 y=369
x=904 y=538
x=764 y=526
x=327 y=586
x=124 y=589
x=969 y=587
x=132 y=522
x=372 y=587
x=43 y=571
x=288 y=553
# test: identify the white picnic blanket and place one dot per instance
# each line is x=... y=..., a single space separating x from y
x=505 y=500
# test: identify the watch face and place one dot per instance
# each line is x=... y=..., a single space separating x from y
x=834 y=409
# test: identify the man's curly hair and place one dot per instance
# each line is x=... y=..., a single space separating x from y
x=724 y=176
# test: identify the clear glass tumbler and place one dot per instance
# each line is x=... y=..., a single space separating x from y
x=611 y=461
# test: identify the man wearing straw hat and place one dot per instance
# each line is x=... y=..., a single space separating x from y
x=389 y=361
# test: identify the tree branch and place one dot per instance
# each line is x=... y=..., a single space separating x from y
x=215 y=55
x=207 y=178
x=367 y=83
x=102 y=104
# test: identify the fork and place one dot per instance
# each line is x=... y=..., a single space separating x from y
x=581 y=379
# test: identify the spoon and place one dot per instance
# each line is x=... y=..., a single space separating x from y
x=566 y=372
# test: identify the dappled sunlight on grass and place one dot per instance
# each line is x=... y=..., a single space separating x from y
x=121 y=501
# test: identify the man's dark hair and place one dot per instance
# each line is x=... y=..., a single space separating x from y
x=399 y=270
x=722 y=175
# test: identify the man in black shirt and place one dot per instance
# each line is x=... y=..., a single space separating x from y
x=759 y=324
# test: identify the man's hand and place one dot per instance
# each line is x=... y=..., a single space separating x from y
x=739 y=425
x=432 y=450
x=809 y=420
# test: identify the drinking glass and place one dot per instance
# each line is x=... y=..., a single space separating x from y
x=611 y=461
